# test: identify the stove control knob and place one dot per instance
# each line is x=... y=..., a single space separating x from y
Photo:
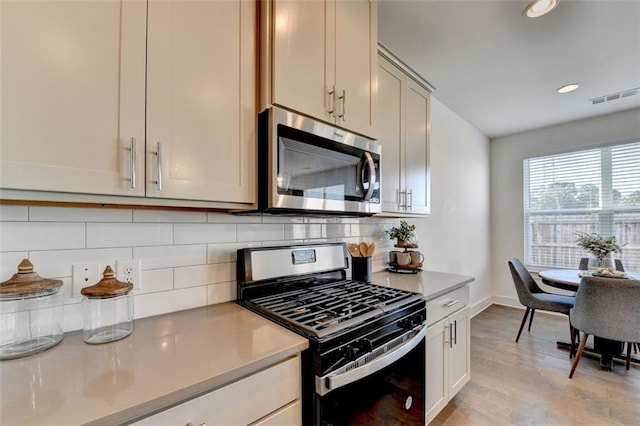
x=352 y=352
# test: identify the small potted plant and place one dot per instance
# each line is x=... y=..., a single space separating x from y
x=599 y=247
x=403 y=234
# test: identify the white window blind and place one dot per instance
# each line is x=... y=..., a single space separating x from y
x=592 y=191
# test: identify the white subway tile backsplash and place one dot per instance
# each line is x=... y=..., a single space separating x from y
x=204 y=274
x=229 y=218
x=204 y=233
x=59 y=263
x=260 y=232
x=188 y=258
x=128 y=234
x=72 y=317
x=221 y=292
x=301 y=231
x=220 y=253
x=282 y=219
x=78 y=214
x=367 y=230
x=13 y=213
x=17 y=236
x=9 y=263
x=156 y=280
x=169 y=216
x=338 y=230
x=171 y=256
x=146 y=305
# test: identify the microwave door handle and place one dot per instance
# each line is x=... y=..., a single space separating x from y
x=368 y=159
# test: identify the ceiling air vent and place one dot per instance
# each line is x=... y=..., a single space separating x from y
x=615 y=96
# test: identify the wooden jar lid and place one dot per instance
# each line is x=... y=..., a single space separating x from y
x=108 y=286
x=27 y=283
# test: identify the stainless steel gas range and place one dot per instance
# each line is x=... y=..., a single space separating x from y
x=366 y=358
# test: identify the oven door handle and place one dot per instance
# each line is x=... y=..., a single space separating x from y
x=329 y=382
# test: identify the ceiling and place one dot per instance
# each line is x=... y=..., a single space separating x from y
x=499 y=70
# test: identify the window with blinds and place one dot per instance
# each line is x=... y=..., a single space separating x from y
x=592 y=191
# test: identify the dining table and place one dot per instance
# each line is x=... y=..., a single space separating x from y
x=569 y=279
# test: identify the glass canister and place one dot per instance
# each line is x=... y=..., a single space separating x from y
x=107 y=310
x=31 y=313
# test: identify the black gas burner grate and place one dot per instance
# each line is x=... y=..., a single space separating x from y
x=328 y=308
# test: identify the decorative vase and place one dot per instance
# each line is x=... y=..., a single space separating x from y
x=600 y=262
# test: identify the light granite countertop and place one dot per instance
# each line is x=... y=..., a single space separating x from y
x=430 y=283
x=168 y=358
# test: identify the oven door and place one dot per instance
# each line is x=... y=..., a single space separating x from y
x=313 y=166
x=389 y=389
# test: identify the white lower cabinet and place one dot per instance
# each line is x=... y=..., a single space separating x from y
x=269 y=397
x=448 y=354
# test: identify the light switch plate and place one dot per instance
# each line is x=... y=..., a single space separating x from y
x=84 y=275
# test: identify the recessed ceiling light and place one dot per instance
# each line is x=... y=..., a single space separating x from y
x=540 y=7
x=568 y=88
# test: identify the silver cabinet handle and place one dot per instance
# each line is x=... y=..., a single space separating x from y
x=451 y=303
x=159 y=159
x=410 y=194
x=332 y=101
x=343 y=110
x=455 y=332
x=133 y=159
x=402 y=199
x=450 y=337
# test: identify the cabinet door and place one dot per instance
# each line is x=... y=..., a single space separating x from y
x=72 y=96
x=436 y=371
x=417 y=148
x=459 y=353
x=356 y=64
x=268 y=392
x=390 y=123
x=298 y=80
x=201 y=100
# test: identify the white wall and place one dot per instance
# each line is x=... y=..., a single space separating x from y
x=507 y=155
x=455 y=237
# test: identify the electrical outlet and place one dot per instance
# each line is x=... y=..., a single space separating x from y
x=84 y=275
x=130 y=271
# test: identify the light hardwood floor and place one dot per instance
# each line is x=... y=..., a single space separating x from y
x=527 y=383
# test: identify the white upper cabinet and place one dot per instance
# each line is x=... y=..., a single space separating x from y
x=403 y=120
x=201 y=100
x=147 y=99
x=321 y=60
x=72 y=96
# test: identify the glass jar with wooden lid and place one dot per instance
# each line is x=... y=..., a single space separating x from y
x=31 y=313
x=107 y=310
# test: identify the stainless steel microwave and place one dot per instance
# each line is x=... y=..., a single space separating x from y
x=305 y=165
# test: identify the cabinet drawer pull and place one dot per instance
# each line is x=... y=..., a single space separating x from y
x=410 y=204
x=133 y=160
x=159 y=159
x=450 y=337
x=451 y=303
x=455 y=332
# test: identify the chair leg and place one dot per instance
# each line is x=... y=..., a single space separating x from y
x=524 y=319
x=572 y=332
x=533 y=311
x=629 y=344
x=583 y=342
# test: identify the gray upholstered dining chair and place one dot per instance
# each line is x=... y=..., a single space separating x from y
x=584 y=264
x=607 y=308
x=533 y=297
